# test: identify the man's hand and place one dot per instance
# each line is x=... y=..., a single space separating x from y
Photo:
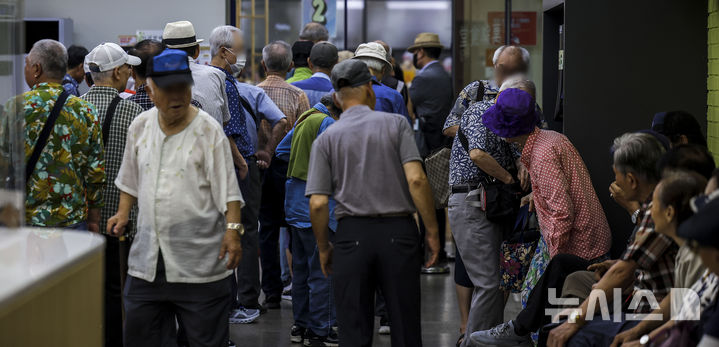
x=231 y=244
x=623 y=338
x=263 y=159
x=559 y=336
x=620 y=198
x=601 y=268
x=528 y=199
x=93 y=220
x=432 y=241
x=117 y=223
x=326 y=259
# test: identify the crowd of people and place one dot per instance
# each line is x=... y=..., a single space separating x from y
x=316 y=176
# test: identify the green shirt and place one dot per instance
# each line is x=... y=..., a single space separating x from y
x=301 y=74
x=304 y=134
x=70 y=174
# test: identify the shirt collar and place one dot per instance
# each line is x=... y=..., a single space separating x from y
x=227 y=73
x=140 y=89
x=47 y=85
x=103 y=90
x=528 y=146
x=355 y=111
x=428 y=64
x=322 y=108
x=321 y=75
x=70 y=79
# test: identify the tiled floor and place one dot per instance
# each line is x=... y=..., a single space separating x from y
x=440 y=319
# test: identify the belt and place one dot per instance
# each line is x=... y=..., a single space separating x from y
x=464 y=188
x=386 y=215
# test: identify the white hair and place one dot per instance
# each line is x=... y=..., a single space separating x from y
x=519 y=81
x=51 y=55
x=498 y=52
x=222 y=36
x=277 y=56
x=372 y=63
x=102 y=77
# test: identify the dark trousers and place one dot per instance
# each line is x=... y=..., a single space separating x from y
x=533 y=316
x=377 y=251
x=442 y=223
x=201 y=309
x=113 y=293
x=246 y=290
x=272 y=218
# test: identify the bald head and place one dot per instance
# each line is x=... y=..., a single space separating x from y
x=314 y=32
x=508 y=61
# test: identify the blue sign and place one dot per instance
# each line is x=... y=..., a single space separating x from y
x=321 y=11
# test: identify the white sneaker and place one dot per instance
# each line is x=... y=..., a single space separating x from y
x=244 y=315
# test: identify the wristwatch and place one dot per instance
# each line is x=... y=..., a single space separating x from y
x=574 y=316
x=635 y=215
x=237 y=227
x=644 y=340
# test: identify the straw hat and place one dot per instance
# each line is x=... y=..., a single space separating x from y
x=425 y=40
x=179 y=35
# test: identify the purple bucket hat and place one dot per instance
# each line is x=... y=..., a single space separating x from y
x=514 y=114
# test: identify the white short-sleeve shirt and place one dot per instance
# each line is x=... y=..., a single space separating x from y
x=209 y=90
x=182 y=184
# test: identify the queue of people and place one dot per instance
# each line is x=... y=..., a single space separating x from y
x=198 y=180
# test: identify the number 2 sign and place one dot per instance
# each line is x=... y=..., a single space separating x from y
x=321 y=11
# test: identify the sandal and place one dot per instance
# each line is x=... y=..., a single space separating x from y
x=460 y=340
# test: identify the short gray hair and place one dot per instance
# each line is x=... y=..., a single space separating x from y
x=519 y=82
x=639 y=154
x=102 y=77
x=314 y=32
x=524 y=52
x=373 y=64
x=277 y=56
x=222 y=36
x=51 y=55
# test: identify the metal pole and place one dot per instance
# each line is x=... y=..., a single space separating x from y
x=267 y=22
x=346 y=12
x=252 y=41
x=364 y=21
x=507 y=22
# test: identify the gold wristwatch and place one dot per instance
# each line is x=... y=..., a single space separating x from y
x=237 y=227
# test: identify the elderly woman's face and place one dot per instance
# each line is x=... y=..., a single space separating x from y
x=173 y=101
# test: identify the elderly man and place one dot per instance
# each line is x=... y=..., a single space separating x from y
x=110 y=67
x=209 y=87
x=276 y=60
x=65 y=169
x=177 y=167
x=388 y=99
x=377 y=242
x=431 y=97
x=322 y=59
x=389 y=79
x=312 y=299
x=300 y=53
x=314 y=32
x=248 y=105
x=75 y=71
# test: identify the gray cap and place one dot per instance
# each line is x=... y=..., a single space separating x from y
x=324 y=54
x=350 y=73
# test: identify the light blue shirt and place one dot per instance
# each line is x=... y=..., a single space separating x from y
x=315 y=87
x=262 y=106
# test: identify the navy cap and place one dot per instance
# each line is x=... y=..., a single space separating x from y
x=169 y=67
x=350 y=73
x=702 y=226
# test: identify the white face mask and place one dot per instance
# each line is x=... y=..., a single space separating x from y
x=239 y=64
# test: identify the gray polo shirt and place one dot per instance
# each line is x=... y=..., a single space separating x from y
x=359 y=159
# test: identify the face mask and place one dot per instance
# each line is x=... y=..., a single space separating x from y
x=239 y=64
x=414 y=61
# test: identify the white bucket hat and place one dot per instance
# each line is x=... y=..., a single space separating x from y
x=179 y=35
x=372 y=50
x=108 y=56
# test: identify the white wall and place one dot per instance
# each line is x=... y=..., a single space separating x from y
x=98 y=21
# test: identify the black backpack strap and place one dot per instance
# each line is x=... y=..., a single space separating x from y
x=45 y=134
x=108 y=119
x=463 y=139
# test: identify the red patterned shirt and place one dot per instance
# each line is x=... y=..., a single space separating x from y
x=570 y=216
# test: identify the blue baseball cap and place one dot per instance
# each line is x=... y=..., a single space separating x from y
x=170 y=67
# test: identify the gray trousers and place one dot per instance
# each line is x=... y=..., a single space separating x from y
x=478 y=241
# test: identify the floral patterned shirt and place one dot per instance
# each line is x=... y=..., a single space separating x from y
x=70 y=174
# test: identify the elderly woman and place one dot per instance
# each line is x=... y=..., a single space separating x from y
x=64 y=170
x=178 y=167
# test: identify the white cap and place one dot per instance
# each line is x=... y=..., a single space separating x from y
x=108 y=56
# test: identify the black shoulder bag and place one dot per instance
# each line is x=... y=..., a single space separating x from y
x=502 y=199
x=108 y=119
x=45 y=135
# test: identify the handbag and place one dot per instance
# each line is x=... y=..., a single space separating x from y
x=517 y=250
x=502 y=199
x=437 y=167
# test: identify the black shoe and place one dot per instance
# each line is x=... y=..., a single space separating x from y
x=313 y=340
x=297 y=334
x=271 y=303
